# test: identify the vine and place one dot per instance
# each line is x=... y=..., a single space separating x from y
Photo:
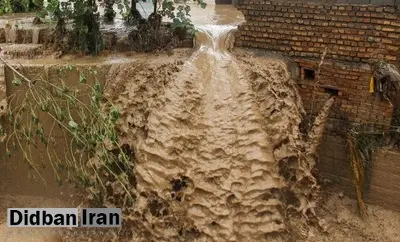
x=45 y=114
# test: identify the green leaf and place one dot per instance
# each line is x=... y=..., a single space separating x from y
x=97 y=87
x=115 y=114
x=82 y=78
x=59 y=113
x=187 y=9
x=35 y=119
x=73 y=124
x=203 y=5
x=16 y=82
x=180 y=15
x=8 y=153
x=191 y=31
x=45 y=106
x=176 y=22
x=42 y=14
x=38 y=2
x=44 y=140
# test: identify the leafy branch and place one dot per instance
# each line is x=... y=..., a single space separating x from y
x=75 y=125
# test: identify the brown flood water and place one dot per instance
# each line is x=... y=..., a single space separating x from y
x=213 y=154
x=211 y=132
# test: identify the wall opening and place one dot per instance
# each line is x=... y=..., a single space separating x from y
x=331 y=90
x=308 y=74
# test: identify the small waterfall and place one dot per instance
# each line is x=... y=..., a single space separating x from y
x=11 y=33
x=218 y=38
x=35 y=35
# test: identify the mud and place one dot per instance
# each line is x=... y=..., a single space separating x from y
x=344 y=224
x=219 y=155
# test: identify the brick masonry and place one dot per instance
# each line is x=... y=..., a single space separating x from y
x=353 y=32
x=354 y=103
x=3 y=96
x=303 y=29
x=381 y=188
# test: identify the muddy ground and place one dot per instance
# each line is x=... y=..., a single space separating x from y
x=344 y=224
x=339 y=212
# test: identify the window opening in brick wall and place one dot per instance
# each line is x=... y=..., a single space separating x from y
x=331 y=90
x=309 y=74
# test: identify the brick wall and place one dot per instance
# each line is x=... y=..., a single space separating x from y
x=352 y=34
x=382 y=186
x=354 y=103
x=304 y=29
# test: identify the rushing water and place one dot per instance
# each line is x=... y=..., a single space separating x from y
x=210 y=131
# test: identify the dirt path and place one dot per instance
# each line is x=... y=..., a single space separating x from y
x=344 y=224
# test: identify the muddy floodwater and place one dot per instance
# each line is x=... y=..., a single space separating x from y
x=213 y=144
x=210 y=136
